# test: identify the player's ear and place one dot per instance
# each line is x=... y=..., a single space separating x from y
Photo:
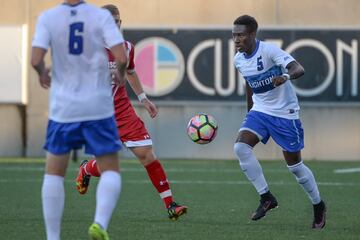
x=253 y=34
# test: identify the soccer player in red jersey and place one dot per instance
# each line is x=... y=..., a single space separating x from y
x=132 y=131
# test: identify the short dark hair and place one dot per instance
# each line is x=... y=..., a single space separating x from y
x=248 y=21
x=112 y=9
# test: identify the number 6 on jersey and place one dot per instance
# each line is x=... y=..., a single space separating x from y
x=76 y=39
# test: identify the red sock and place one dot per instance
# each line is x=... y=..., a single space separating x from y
x=159 y=180
x=91 y=168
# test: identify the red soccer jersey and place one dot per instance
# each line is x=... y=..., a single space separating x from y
x=131 y=127
x=130 y=52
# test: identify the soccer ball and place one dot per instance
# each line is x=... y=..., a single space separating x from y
x=202 y=128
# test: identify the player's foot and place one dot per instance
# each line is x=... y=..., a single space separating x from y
x=175 y=211
x=319 y=215
x=266 y=203
x=96 y=232
x=83 y=179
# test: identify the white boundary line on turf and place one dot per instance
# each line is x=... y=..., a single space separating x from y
x=129 y=169
x=198 y=182
x=347 y=170
x=279 y=183
x=175 y=170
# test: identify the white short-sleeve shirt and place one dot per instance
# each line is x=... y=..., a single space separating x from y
x=81 y=83
x=258 y=69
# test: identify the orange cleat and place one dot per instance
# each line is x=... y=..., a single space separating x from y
x=175 y=211
x=83 y=179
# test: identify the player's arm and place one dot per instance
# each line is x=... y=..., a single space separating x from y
x=137 y=87
x=121 y=59
x=40 y=44
x=114 y=40
x=38 y=63
x=295 y=70
x=37 y=59
x=285 y=60
x=249 y=100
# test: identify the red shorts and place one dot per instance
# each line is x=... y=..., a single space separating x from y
x=132 y=130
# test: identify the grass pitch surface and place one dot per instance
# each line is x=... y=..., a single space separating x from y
x=219 y=197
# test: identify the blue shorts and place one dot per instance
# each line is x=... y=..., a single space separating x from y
x=100 y=137
x=288 y=133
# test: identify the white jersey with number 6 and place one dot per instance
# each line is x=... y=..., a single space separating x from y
x=81 y=84
x=258 y=69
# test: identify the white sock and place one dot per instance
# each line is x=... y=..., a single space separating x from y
x=251 y=167
x=53 y=198
x=306 y=179
x=107 y=195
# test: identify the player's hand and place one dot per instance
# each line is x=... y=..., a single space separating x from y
x=45 y=79
x=278 y=80
x=150 y=107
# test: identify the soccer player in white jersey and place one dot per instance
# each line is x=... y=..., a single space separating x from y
x=81 y=110
x=133 y=133
x=273 y=111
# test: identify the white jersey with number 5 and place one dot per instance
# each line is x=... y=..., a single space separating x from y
x=81 y=84
x=258 y=69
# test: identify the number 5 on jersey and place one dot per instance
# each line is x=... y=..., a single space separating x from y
x=260 y=65
x=76 y=39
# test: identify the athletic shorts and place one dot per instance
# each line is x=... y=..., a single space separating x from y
x=287 y=133
x=99 y=137
x=132 y=130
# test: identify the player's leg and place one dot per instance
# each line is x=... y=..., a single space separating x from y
x=87 y=169
x=289 y=134
x=102 y=141
x=53 y=193
x=251 y=132
x=158 y=177
x=306 y=179
x=303 y=175
x=59 y=142
x=155 y=172
x=251 y=167
x=108 y=189
x=128 y=126
x=107 y=195
x=91 y=168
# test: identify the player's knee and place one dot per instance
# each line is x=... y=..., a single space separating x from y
x=301 y=172
x=242 y=150
x=298 y=169
x=146 y=157
x=150 y=157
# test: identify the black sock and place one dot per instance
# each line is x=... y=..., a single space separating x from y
x=319 y=205
x=266 y=196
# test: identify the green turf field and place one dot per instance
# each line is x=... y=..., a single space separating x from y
x=219 y=198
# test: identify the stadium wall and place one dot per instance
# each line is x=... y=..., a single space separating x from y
x=11 y=129
x=331 y=132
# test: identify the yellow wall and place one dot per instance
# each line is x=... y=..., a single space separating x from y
x=204 y=12
x=329 y=13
